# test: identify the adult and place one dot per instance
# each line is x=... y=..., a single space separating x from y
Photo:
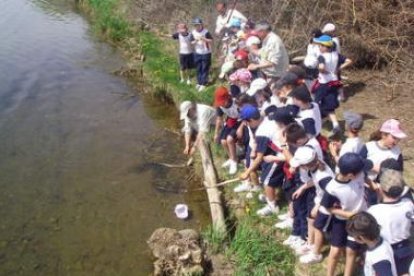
x=197 y=121
x=274 y=59
x=226 y=16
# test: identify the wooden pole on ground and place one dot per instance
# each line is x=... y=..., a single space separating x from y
x=210 y=182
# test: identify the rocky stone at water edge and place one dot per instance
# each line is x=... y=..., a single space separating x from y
x=177 y=252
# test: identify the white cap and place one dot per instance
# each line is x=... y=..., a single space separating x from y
x=253 y=40
x=181 y=211
x=256 y=85
x=303 y=155
x=184 y=107
x=328 y=28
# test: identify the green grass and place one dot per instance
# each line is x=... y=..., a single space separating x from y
x=256 y=253
x=161 y=64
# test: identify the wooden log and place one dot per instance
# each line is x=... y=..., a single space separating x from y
x=214 y=195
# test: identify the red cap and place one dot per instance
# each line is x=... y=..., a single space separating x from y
x=241 y=55
x=221 y=96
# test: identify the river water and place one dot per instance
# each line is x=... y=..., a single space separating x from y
x=80 y=187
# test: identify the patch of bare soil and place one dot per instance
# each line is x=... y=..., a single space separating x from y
x=379 y=96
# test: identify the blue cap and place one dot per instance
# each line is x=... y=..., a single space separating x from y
x=353 y=163
x=249 y=112
x=325 y=40
x=235 y=22
x=197 y=21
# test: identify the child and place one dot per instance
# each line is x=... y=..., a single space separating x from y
x=379 y=259
x=201 y=39
x=384 y=145
x=326 y=89
x=282 y=89
x=267 y=139
x=353 y=143
x=311 y=59
x=314 y=173
x=296 y=137
x=197 y=121
x=246 y=133
x=309 y=115
x=242 y=79
x=391 y=216
x=186 y=52
x=330 y=29
x=343 y=198
x=225 y=133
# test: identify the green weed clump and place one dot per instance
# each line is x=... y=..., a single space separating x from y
x=107 y=21
x=259 y=254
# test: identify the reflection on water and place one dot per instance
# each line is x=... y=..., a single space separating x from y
x=79 y=180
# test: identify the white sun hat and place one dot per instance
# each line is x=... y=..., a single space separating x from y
x=181 y=211
x=256 y=85
x=303 y=156
x=328 y=28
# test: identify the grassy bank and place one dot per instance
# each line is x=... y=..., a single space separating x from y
x=253 y=249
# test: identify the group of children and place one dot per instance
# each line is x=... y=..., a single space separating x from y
x=350 y=193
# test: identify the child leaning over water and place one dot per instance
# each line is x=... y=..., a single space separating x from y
x=185 y=52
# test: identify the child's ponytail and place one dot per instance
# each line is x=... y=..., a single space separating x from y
x=375 y=136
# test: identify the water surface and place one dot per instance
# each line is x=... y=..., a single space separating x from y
x=81 y=190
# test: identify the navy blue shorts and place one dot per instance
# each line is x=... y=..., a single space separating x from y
x=322 y=221
x=186 y=61
x=310 y=201
x=403 y=256
x=272 y=175
x=327 y=98
x=226 y=131
x=339 y=235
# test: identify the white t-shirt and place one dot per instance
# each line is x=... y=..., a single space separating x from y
x=205 y=118
x=381 y=253
x=350 y=195
x=311 y=119
x=392 y=217
x=201 y=47
x=353 y=145
x=331 y=61
x=184 y=42
x=319 y=179
x=377 y=154
x=224 y=21
x=312 y=54
x=274 y=51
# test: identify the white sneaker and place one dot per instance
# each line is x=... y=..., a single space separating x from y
x=304 y=249
x=197 y=87
x=283 y=216
x=262 y=198
x=267 y=211
x=201 y=88
x=244 y=186
x=291 y=239
x=188 y=82
x=311 y=258
x=226 y=164
x=182 y=81
x=232 y=167
x=286 y=224
x=298 y=243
